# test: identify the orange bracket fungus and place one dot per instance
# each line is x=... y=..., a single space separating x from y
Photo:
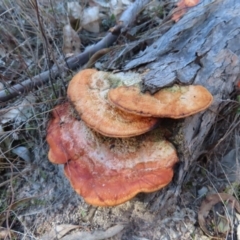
x=172 y=102
x=108 y=171
x=109 y=153
x=87 y=91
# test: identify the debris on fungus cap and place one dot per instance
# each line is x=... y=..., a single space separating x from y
x=87 y=91
x=173 y=102
x=109 y=171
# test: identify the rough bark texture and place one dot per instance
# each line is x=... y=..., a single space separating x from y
x=202 y=48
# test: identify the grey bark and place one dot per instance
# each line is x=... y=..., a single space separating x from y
x=202 y=48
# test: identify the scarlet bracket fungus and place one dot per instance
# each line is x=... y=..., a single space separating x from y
x=87 y=91
x=173 y=102
x=108 y=171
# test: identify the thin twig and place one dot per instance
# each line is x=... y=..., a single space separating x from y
x=46 y=44
x=127 y=18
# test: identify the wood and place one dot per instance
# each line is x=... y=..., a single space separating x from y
x=127 y=18
x=202 y=48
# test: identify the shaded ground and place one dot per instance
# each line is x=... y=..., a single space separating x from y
x=47 y=200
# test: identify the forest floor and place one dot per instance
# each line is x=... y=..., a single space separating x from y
x=36 y=200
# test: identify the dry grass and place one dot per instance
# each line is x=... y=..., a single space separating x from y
x=217 y=171
x=30 y=43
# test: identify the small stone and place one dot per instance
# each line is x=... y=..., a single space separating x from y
x=202 y=192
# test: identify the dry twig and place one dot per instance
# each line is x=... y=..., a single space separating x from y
x=27 y=85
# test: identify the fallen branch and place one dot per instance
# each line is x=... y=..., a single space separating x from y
x=202 y=49
x=127 y=18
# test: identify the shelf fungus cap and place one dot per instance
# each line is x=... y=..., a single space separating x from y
x=172 y=102
x=109 y=171
x=57 y=153
x=87 y=91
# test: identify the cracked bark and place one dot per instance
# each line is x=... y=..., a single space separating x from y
x=202 y=48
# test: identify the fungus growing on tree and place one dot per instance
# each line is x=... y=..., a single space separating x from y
x=87 y=91
x=108 y=171
x=172 y=102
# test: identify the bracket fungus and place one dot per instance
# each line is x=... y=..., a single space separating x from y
x=87 y=91
x=110 y=154
x=172 y=102
x=108 y=171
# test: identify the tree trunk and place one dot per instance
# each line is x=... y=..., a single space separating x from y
x=202 y=48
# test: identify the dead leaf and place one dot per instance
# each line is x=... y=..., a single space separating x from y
x=71 y=41
x=209 y=202
x=19 y=113
x=182 y=8
x=96 y=235
x=112 y=7
x=87 y=18
x=74 y=14
x=23 y=153
x=90 y=19
x=126 y=2
x=116 y=7
x=74 y=10
x=102 y=3
x=223 y=225
x=11 y=114
x=59 y=231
